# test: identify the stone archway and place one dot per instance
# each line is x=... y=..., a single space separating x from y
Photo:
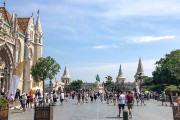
x=6 y=60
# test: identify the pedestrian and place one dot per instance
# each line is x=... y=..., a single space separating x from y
x=95 y=96
x=101 y=97
x=83 y=97
x=170 y=98
x=40 y=99
x=114 y=98
x=142 y=96
x=121 y=102
x=129 y=99
x=54 y=97
x=47 y=98
x=78 y=98
x=62 y=97
x=28 y=101
x=163 y=98
x=11 y=101
x=24 y=100
x=137 y=98
x=35 y=101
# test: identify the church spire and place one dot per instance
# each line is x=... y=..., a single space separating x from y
x=66 y=77
x=120 y=72
x=38 y=24
x=140 y=69
x=120 y=78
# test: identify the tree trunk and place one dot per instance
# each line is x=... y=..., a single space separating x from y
x=43 y=94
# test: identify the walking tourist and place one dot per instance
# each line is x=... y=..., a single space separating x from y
x=163 y=98
x=142 y=96
x=11 y=101
x=170 y=98
x=121 y=102
x=28 y=101
x=114 y=98
x=24 y=100
x=61 y=97
x=79 y=98
x=129 y=99
x=101 y=97
x=137 y=98
x=83 y=97
x=54 y=97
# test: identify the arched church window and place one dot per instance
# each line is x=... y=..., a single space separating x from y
x=30 y=55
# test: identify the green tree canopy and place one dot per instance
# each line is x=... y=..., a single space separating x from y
x=168 y=69
x=109 y=83
x=44 y=68
x=76 y=84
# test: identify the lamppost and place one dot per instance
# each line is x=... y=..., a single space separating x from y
x=6 y=74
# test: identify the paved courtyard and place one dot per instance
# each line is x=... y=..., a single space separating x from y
x=100 y=111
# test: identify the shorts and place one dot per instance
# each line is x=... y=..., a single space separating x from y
x=62 y=100
x=121 y=106
x=129 y=105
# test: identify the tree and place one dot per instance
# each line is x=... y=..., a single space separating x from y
x=44 y=68
x=168 y=69
x=109 y=83
x=76 y=84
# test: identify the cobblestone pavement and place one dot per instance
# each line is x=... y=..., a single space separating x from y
x=100 y=111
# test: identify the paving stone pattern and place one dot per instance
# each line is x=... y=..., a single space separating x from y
x=100 y=111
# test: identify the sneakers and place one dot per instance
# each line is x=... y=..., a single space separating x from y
x=130 y=116
x=118 y=115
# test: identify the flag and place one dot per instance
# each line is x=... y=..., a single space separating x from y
x=15 y=79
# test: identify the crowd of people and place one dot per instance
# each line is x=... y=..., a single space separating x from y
x=130 y=98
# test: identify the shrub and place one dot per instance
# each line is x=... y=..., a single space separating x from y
x=3 y=103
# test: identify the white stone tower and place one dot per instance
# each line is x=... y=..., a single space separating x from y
x=120 y=78
x=66 y=77
x=140 y=71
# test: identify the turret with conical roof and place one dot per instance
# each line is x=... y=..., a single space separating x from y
x=140 y=70
x=66 y=77
x=120 y=78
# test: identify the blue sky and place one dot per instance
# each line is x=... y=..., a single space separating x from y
x=96 y=36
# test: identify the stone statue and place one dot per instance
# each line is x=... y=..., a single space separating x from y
x=97 y=78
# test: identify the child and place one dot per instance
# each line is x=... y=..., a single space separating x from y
x=11 y=100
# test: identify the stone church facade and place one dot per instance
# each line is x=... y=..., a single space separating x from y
x=20 y=40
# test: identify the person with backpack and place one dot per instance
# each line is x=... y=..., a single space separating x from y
x=130 y=100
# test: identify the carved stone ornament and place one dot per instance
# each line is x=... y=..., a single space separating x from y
x=2 y=64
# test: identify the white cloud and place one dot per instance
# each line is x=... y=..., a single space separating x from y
x=142 y=8
x=143 y=39
x=104 y=46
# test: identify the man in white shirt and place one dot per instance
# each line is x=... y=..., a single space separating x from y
x=121 y=102
x=62 y=97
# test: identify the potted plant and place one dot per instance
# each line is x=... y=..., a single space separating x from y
x=3 y=108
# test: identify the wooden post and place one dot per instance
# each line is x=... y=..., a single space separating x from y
x=125 y=115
